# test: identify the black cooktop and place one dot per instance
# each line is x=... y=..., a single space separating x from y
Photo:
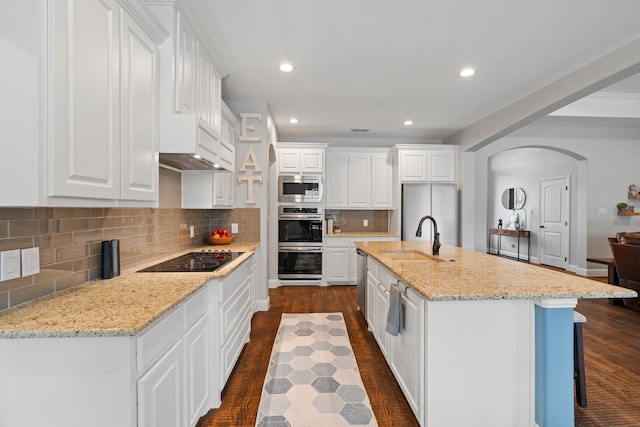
x=203 y=261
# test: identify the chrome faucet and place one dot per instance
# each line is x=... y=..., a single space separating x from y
x=436 y=235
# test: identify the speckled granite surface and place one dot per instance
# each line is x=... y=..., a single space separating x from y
x=463 y=274
x=121 y=306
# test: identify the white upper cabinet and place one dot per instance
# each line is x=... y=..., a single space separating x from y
x=359 y=182
x=359 y=179
x=427 y=163
x=300 y=158
x=382 y=181
x=229 y=129
x=139 y=161
x=207 y=189
x=84 y=87
x=337 y=194
x=90 y=91
x=191 y=87
x=186 y=66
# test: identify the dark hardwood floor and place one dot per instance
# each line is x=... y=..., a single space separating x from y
x=612 y=358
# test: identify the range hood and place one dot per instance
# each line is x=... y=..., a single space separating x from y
x=186 y=161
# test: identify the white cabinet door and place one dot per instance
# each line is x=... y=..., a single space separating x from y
x=208 y=94
x=337 y=265
x=220 y=185
x=160 y=399
x=84 y=95
x=255 y=280
x=413 y=165
x=204 y=89
x=139 y=162
x=186 y=66
x=359 y=181
x=381 y=181
x=288 y=162
x=223 y=193
x=372 y=293
x=382 y=307
x=198 y=356
x=442 y=166
x=336 y=178
x=407 y=354
x=311 y=161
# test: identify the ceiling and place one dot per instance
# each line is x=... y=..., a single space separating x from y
x=374 y=64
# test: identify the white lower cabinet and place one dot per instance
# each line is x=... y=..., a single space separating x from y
x=340 y=261
x=405 y=352
x=160 y=390
x=169 y=375
x=197 y=347
x=382 y=306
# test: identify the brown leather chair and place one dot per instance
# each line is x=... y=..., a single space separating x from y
x=626 y=255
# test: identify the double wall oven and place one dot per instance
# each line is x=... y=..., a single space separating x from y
x=300 y=243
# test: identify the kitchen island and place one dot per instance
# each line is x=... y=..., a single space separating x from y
x=140 y=349
x=485 y=340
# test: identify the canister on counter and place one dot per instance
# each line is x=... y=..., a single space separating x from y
x=106 y=259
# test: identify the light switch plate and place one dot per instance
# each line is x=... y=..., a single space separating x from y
x=30 y=261
x=9 y=265
x=234 y=228
x=365 y=222
x=192 y=231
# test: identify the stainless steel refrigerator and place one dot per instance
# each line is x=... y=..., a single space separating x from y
x=438 y=200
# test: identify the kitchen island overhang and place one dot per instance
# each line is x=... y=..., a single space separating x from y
x=497 y=334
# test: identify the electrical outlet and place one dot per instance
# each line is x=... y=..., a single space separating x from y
x=602 y=211
x=234 y=228
x=365 y=222
x=30 y=261
x=9 y=265
x=192 y=231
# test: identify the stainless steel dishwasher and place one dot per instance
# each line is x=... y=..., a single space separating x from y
x=361 y=256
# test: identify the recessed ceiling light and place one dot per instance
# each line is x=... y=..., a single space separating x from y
x=286 y=67
x=197 y=156
x=467 y=72
x=408 y=122
x=293 y=120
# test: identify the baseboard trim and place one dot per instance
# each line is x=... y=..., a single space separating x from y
x=263 y=304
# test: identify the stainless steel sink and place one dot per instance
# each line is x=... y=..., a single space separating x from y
x=411 y=256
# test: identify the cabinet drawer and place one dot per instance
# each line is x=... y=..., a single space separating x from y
x=196 y=306
x=155 y=340
x=231 y=283
x=233 y=347
x=233 y=310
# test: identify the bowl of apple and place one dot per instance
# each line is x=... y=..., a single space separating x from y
x=220 y=236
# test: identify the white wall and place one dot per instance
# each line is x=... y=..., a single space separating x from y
x=602 y=180
x=264 y=130
x=525 y=167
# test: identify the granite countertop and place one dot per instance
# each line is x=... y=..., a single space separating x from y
x=462 y=274
x=362 y=234
x=120 y=306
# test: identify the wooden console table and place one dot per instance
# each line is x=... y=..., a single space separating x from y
x=511 y=233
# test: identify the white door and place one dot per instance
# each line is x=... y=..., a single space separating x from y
x=554 y=222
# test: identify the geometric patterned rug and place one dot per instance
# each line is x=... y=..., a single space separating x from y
x=313 y=378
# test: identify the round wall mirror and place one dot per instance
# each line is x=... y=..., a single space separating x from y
x=513 y=198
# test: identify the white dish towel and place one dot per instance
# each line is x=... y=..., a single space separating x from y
x=394 y=315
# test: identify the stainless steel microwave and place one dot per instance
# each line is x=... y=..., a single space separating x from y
x=300 y=188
